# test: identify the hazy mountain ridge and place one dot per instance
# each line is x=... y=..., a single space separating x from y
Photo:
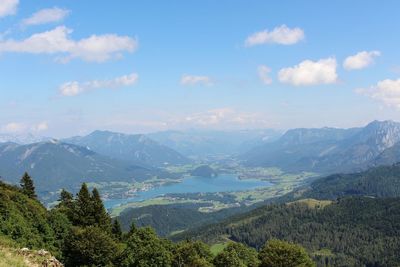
x=205 y=143
x=328 y=150
x=22 y=139
x=138 y=148
x=56 y=164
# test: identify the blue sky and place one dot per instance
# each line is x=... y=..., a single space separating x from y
x=70 y=67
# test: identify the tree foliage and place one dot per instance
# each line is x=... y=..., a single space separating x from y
x=353 y=231
x=79 y=232
x=27 y=186
x=145 y=249
x=89 y=246
x=278 y=253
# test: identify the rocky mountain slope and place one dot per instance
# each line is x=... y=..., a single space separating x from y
x=328 y=150
x=138 y=149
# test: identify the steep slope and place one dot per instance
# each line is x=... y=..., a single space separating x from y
x=360 y=150
x=195 y=143
x=167 y=219
x=138 y=149
x=55 y=165
x=383 y=181
x=12 y=255
x=350 y=232
x=327 y=150
x=389 y=156
x=297 y=149
x=24 y=220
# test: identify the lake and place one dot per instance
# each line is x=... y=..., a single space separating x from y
x=221 y=183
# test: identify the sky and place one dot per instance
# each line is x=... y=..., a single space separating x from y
x=71 y=67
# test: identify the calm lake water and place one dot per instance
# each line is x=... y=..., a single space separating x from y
x=221 y=183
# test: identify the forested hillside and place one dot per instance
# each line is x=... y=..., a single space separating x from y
x=167 y=219
x=381 y=181
x=81 y=233
x=357 y=231
x=56 y=165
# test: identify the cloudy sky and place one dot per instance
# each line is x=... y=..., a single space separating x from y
x=70 y=67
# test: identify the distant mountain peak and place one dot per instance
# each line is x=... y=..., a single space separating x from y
x=134 y=148
x=22 y=138
x=382 y=124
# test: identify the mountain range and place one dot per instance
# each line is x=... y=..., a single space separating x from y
x=22 y=138
x=330 y=150
x=201 y=143
x=109 y=156
x=55 y=165
x=133 y=148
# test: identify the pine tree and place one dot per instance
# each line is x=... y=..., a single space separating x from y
x=100 y=215
x=84 y=207
x=116 y=230
x=132 y=229
x=65 y=197
x=27 y=186
x=67 y=204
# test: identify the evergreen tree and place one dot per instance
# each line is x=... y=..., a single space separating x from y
x=132 y=229
x=66 y=204
x=89 y=246
x=84 y=208
x=27 y=186
x=100 y=215
x=65 y=197
x=116 y=229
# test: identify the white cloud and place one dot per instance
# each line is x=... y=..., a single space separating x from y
x=97 y=48
x=310 y=72
x=360 y=60
x=8 y=7
x=279 y=35
x=40 y=127
x=47 y=15
x=386 y=91
x=13 y=127
x=263 y=74
x=195 y=80
x=222 y=118
x=210 y=117
x=75 y=88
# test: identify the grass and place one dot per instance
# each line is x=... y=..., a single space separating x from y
x=154 y=201
x=8 y=259
x=313 y=203
x=12 y=256
x=217 y=248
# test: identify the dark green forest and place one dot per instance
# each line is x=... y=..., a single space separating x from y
x=353 y=231
x=79 y=232
x=165 y=219
x=383 y=181
x=356 y=223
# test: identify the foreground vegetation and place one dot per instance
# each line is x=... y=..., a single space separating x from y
x=354 y=231
x=80 y=232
